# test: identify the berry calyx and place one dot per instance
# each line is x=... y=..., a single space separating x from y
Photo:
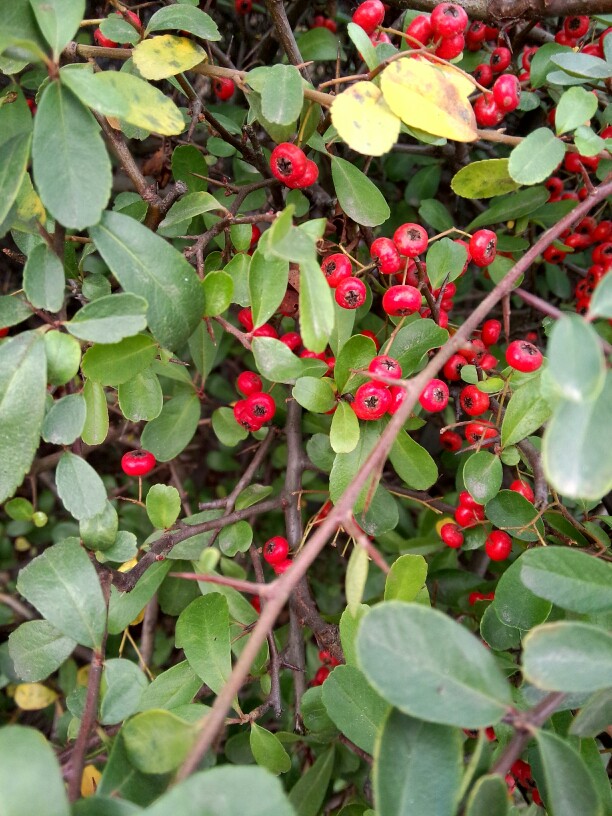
x=287 y=162
x=387 y=366
x=243 y=6
x=371 y=401
x=137 y=463
x=244 y=416
x=523 y=356
x=483 y=246
x=248 y=382
x=261 y=406
x=384 y=251
x=451 y=535
x=498 y=545
x=336 y=268
x=473 y=401
x=369 y=15
x=275 y=550
x=350 y=293
x=448 y=19
x=410 y=240
x=434 y=396
x=401 y=300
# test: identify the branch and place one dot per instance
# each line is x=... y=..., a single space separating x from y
x=498 y=10
x=276 y=10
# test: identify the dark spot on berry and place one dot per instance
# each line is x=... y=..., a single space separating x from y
x=285 y=167
x=371 y=402
x=352 y=297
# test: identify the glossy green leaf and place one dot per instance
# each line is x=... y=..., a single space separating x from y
x=353 y=705
x=541 y=63
x=203 y=348
x=513 y=205
x=186 y=18
x=512 y=512
x=14 y=154
x=536 y=157
x=141 y=397
x=569 y=786
x=170 y=433
x=202 y=631
x=115 y=28
x=483 y=475
x=445 y=261
x=267 y=285
x=79 y=487
x=499 y=636
x=314 y=394
x=157 y=741
x=66 y=130
x=488 y=796
x=25 y=758
x=43 y=279
x=235 y=538
x=226 y=428
x=583 y=65
x=413 y=341
x=344 y=432
x=218 y=289
x=117 y=363
x=19 y=509
x=308 y=793
x=268 y=750
x=406 y=578
x=526 y=411
x=514 y=604
x=110 y=319
x=316 y=307
x=595 y=716
x=65 y=419
x=63 y=585
x=356 y=353
x=446 y=676
x=282 y=95
x=575 y=358
x=188 y=207
x=575 y=107
x=174 y=687
x=319 y=44
x=484 y=179
x=23 y=376
x=407 y=751
x=125 y=606
x=275 y=361
x=123 y=683
x=360 y=199
x=96 y=424
x=163 y=505
x=37 y=649
x=349 y=625
x=58 y=20
x=63 y=355
x=146 y=265
x=412 y=463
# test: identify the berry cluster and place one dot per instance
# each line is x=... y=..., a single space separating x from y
x=445 y=26
x=276 y=552
x=327 y=664
x=258 y=407
x=290 y=165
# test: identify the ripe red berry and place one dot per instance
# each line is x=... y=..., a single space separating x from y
x=245 y=318
x=410 y=240
x=466 y=516
x=279 y=569
x=483 y=74
x=398 y=395
x=507 y=92
x=4 y=331
x=523 y=356
x=476 y=35
x=448 y=19
x=130 y=17
x=450 y=47
x=287 y=162
x=498 y=545
x=524 y=489
x=450 y=441
x=244 y=416
x=486 y=111
x=553 y=255
x=451 y=535
x=256 y=603
x=576 y=26
x=490 y=332
x=401 y=300
x=243 y=6
x=368 y=15
x=275 y=550
x=371 y=401
x=292 y=340
x=483 y=246
x=248 y=383
x=603 y=36
x=473 y=401
x=321 y=676
x=103 y=41
x=308 y=177
x=434 y=396
x=466 y=500
x=320 y=21
x=500 y=59
x=387 y=366
x=478 y=432
x=261 y=406
x=420 y=30
x=265 y=330
x=350 y=293
x=372 y=336
x=452 y=367
x=384 y=251
x=137 y=463
x=336 y=268
x=527 y=56
x=224 y=88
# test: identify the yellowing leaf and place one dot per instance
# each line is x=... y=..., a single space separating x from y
x=166 y=56
x=82 y=675
x=364 y=120
x=423 y=97
x=460 y=81
x=33 y=696
x=90 y=780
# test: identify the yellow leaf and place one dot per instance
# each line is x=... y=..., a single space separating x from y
x=364 y=120
x=459 y=80
x=138 y=619
x=423 y=97
x=166 y=56
x=127 y=565
x=33 y=696
x=82 y=676
x=90 y=780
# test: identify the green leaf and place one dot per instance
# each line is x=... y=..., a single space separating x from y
x=13 y=310
x=344 y=432
x=308 y=793
x=63 y=355
x=235 y=538
x=163 y=505
x=124 y=607
x=415 y=340
x=360 y=199
x=514 y=604
x=58 y=20
x=569 y=578
x=99 y=532
x=63 y=585
x=157 y=742
x=186 y=18
x=434 y=213
x=541 y=64
x=406 y=752
x=43 y=279
x=126 y=97
x=252 y=495
x=525 y=413
x=96 y=419
x=358 y=352
x=37 y=649
x=568 y=656
x=23 y=376
x=79 y=487
x=582 y=65
x=314 y=394
x=203 y=632
x=512 y=512
x=499 y=636
x=19 y=509
x=316 y=307
x=514 y=205
x=346 y=465
x=406 y=578
x=267 y=285
x=141 y=397
x=146 y=265
x=14 y=155
x=569 y=785
x=594 y=716
x=319 y=44
x=575 y=107
x=66 y=130
x=356 y=576
x=349 y=625
x=578 y=433
x=282 y=95
x=489 y=795
x=536 y=157
x=354 y=707
x=117 y=363
x=268 y=750
x=65 y=420
x=170 y=433
x=218 y=292
x=25 y=758
x=122 y=686
x=483 y=179
x=575 y=358
x=109 y=319
x=115 y=28
x=412 y=463
x=174 y=687
x=483 y=475
x=588 y=142
x=226 y=429
x=445 y=261
x=275 y=361
x=188 y=207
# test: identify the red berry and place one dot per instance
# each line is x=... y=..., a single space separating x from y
x=265 y=330
x=276 y=550
x=554 y=185
x=320 y=21
x=602 y=231
x=576 y=26
x=527 y=56
x=500 y=59
x=350 y=293
x=368 y=15
x=477 y=432
x=466 y=516
x=245 y=318
x=401 y=300
x=473 y=401
x=602 y=254
x=308 y=177
x=420 y=30
x=292 y=340
x=490 y=332
x=553 y=254
x=261 y=406
x=523 y=356
x=476 y=35
x=562 y=38
x=137 y=463
x=321 y=676
x=448 y=19
x=224 y=88
x=592 y=49
x=451 y=535
x=483 y=245
x=287 y=162
x=434 y=396
x=483 y=74
x=452 y=367
x=450 y=47
x=398 y=395
x=524 y=489
x=603 y=36
x=255 y=236
x=279 y=569
x=256 y=603
x=450 y=441
x=336 y=268
x=130 y=17
x=244 y=416
x=372 y=336
x=103 y=41
x=491 y=33
x=487 y=362
x=4 y=331
x=384 y=251
x=248 y=383
x=486 y=111
x=387 y=366
x=243 y=6
x=498 y=545
x=507 y=92
x=467 y=500
x=371 y=401
x=410 y=240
